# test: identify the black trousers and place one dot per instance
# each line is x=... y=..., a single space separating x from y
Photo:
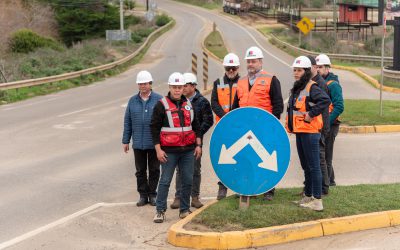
x=329 y=144
x=323 y=165
x=147 y=159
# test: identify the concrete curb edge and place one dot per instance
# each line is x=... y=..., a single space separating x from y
x=178 y=236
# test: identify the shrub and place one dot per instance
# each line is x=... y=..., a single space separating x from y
x=136 y=38
x=25 y=41
x=162 y=20
x=144 y=32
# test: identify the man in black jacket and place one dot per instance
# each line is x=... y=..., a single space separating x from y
x=203 y=111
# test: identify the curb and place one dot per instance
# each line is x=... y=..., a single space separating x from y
x=369 y=129
x=178 y=236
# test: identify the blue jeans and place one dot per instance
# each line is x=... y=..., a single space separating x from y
x=308 y=150
x=185 y=162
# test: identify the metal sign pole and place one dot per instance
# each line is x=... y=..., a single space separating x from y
x=244 y=202
x=381 y=85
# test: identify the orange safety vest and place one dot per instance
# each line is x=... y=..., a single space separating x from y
x=331 y=105
x=299 y=112
x=258 y=96
x=175 y=135
x=225 y=96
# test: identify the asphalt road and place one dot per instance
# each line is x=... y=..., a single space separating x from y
x=62 y=153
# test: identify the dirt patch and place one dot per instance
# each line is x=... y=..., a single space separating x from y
x=198 y=227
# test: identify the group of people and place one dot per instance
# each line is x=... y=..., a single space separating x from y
x=169 y=130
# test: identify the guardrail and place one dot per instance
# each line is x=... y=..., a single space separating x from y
x=334 y=56
x=70 y=75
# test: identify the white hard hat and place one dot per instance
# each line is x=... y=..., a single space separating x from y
x=176 y=78
x=143 y=77
x=323 y=60
x=231 y=60
x=254 y=53
x=301 y=62
x=190 y=78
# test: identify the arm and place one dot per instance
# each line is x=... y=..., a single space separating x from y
x=208 y=119
x=235 y=103
x=320 y=99
x=216 y=107
x=335 y=91
x=197 y=129
x=127 y=134
x=157 y=120
x=276 y=97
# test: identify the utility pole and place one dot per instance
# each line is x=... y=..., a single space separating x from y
x=147 y=5
x=334 y=18
x=290 y=13
x=121 y=15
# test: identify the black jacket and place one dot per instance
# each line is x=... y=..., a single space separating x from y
x=159 y=120
x=275 y=94
x=216 y=107
x=325 y=113
x=203 y=111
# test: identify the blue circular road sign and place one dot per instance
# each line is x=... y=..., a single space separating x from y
x=250 y=151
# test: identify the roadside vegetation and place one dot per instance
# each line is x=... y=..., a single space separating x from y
x=356 y=114
x=208 y=4
x=215 y=44
x=225 y=215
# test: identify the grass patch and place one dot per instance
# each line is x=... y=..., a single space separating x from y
x=366 y=112
x=387 y=82
x=211 y=5
x=215 y=44
x=13 y=95
x=342 y=201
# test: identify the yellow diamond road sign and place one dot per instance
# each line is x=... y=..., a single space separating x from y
x=305 y=25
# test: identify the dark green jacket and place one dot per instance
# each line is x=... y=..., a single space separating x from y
x=336 y=95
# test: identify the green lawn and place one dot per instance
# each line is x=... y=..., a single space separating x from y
x=387 y=82
x=215 y=44
x=342 y=201
x=366 y=112
x=215 y=4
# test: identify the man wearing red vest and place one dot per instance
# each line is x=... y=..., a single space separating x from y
x=177 y=139
x=222 y=95
x=259 y=89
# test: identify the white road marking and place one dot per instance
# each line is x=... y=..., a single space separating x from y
x=68 y=218
x=30 y=104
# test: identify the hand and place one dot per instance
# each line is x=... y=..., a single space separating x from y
x=125 y=147
x=162 y=156
x=307 y=118
x=197 y=152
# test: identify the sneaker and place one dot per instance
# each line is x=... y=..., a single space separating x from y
x=184 y=214
x=176 y=203
x=314 y=204
x=222 y=190
x=152 y=200
x=332 y=184
x=268 y=196
x=196 y=202
x=159 y=217
x=304 y=200
x=142 y=201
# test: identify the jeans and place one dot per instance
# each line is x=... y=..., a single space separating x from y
x=196 y=180
x=329 y=142
x=322 y=163
x=147 y=159
x=308 y=150
x=184 y=161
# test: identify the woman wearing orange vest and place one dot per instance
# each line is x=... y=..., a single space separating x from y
x=306 y=103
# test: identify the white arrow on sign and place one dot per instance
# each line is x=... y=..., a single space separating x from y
x=269 y=161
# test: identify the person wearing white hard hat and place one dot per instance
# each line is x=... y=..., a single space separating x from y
x=259 y=89
x=224 y=90
x=335 y=109
x=206 y=120
x=304 y=119
x=177 y=136
x=137 y=126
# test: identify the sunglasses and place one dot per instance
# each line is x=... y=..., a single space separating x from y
x=233 y=68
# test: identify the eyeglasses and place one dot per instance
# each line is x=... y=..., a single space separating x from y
x=233 y=68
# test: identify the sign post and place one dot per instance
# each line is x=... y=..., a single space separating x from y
x=305 y=26
x=250 y=152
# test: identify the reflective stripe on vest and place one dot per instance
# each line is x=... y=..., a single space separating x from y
x=299 y=125
x=258 y=96
x=225 y=96
x=175 y=135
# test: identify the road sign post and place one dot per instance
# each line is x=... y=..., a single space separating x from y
x=205 y=69
x=250 y=151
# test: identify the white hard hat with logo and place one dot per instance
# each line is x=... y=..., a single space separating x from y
x=301 y=62
x=323 y=60
x=254 y=53
x=143 y=77
x=231 y=60
x=176 y=78
x=190 y=78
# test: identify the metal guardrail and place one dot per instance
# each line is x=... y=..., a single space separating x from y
x=70 y=75
x=334 y=56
